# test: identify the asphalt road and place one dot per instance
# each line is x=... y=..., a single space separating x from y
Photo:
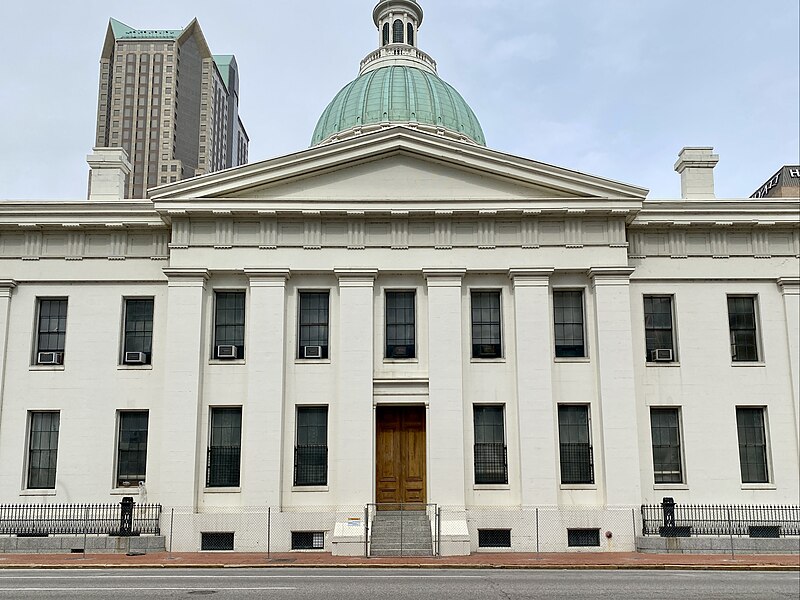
x=391 y=584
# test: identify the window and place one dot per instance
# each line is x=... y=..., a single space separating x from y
x=137 y=347
x=494 y=538
x=410 y=36
x=486 y=325
x=311 y=451
x=742 y=323
x=224 y=450
x=582 y=538
x=229 y=325
x=752 y=444
x=491 y=465
x=400 y=325
x=313 y=333
x=385 y=33
x=51 y=331
x=574 y=444
x=397 y=34
x=568 y=314
x=308 y=540
x=665 y=430
x=43 y=450
x=216 y=541
x=659 y=339
x=132 y=448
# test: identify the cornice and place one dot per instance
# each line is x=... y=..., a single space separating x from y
x=692 y=213
x=79 y=214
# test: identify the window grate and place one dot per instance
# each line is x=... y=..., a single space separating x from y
x=224 y=451
x=308 y=540
x=216 y=541
x=494 y=538
x=583 y=538
x=576 y=457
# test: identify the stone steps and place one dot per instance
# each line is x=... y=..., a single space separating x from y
x=396 y=533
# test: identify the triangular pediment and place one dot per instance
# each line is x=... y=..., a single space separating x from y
x=398 y=164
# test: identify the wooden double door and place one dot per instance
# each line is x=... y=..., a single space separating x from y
x=400 y=455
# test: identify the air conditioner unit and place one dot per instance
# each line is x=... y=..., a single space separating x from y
x=661 y=355
x=312 y=351
x=135 y=358
x=226 y=352
x=50 y=358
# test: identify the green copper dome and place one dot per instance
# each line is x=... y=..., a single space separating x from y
x=398 y=94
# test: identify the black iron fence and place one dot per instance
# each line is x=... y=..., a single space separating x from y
x=669 y=519
x=39 y=520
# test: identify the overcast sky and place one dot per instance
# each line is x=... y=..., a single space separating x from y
x=610 y=87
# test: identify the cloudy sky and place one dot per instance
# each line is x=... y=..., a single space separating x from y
x=609 y=87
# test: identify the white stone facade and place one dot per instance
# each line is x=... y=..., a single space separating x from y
x=401 y=210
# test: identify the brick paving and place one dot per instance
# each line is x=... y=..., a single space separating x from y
x=572 y=560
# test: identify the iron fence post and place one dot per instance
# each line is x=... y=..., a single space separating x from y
x=171 y=528
x=730 y=530
x=269 y=531
x=537 y=530
x=85 y=529
x=366 y=531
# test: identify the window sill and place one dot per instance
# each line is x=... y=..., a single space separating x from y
x=744 y=363
x=662 y=364
x=310 y=488
x=134 y=367
x=401 y=361
x=578 y=486
x=46 y=368
x=759 y=486
x=312 y=361
x=491 y=486
x=130 y=491
x=478 y=360
x=236 y=361
x=37 y=493
x=222 y=490
x=571 y=359
x=670 y=486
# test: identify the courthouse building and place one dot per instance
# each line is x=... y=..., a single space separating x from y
x=400 y=314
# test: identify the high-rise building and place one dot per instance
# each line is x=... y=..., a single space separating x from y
x=170 y=103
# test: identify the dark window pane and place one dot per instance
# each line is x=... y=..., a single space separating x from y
x=139 y=328
x=666 y=445
x=752 y=445
x=229 y=322
x=52 y=326
x=400 y=341
x=225 y=447
x=397 y=35
x=132 y=448
x=491 y=464
x=742 y=324
x=658 y=325
x=568 y=314
x=311 y=451
x=575 y=449
x=43 y=450
x=313 y=319
x=486 y=336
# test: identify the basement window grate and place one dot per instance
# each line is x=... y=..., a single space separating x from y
x=216 y=541
x=494 y=538
x=581 y=538
x=308 y=540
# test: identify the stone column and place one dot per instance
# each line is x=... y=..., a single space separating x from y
x=539 y=480
x=616 y=385
x=262 y=433
x=445 y=427
x=790 y=286
x=352 y=444
x=6 y=287
x=182 y=459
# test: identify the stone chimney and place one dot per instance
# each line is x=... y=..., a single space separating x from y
x=108 y=170
x=696 y=167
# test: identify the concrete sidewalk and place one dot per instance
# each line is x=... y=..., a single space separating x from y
x=571 y=560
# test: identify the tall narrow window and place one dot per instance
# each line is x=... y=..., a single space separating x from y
x=658 y=334
x=51 y=331
x=397 y=35
x=43 y=450
x=229 y=325
x=752 y=444
x=665 y=430
x=400 y=325
x=311 y=450
x=486 y=341
x=224 y=449
x=574 y=444
x=410 y=34
x=132 y=448
x=491 y=465
x=313 y=334
x=742 y=323
x=385 y=33
x=138 y=344
x=568 y=315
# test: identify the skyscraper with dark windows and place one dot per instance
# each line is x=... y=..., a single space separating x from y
x=171 y=104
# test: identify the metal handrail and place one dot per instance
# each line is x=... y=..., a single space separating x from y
x=372 y=508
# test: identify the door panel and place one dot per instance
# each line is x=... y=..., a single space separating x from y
x=400 y=455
